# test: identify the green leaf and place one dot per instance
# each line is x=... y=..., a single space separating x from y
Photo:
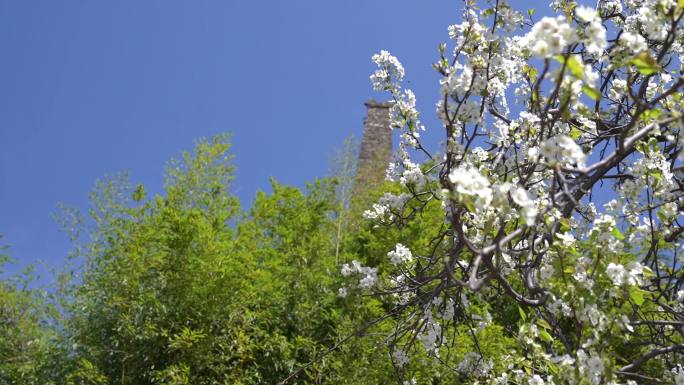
x=469 y=205
x=617 y=234
x=139 y=193
x=575 y=133
x=636 y=295
x=651 y=114
x=545 y=336
x=564 y=225
x=591 y=92
x=531 y=11
x=573 y=64
x=645 y=64
x=487 y=12
x=522 y=314
x=531 y=72
x=542 y=323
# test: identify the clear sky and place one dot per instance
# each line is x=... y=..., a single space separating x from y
x=89 y=88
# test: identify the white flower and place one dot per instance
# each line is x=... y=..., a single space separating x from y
x=389 y=71
x=549 y=37
x=533 y=153
x=678 y=375
x=400 y=254
x=562 y=150
x=618 y=89
x=400 y=357
x=523 y=199
x=546 y=272
x=430 y=337
x=474 y=364
x=651 y=21
x=633 y=41
x=369 y=279
x=567 y=239
x=595 y=367
x=535 y=380
x=558 y=307
x=347 y=270
x=412 y=174
x=468 y=182
x=609 y=7
x=631 y=275
x=342 y=292
x=595 y=37
x=459 y=80
x=385 y=205
x=369 y=274
x=592 y=314
x=586 y=14
x=563 y=360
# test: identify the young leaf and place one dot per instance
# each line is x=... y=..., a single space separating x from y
x=617 y=234
x=573 y=64
x=636 y=295
x=591 y=92
x=645 y=64
x=523 y=316
x=545 y=336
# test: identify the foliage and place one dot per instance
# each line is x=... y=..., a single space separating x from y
x=182 y=288
x=26 y=339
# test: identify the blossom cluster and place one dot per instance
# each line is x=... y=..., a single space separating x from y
x=400 y=254
x=549 y=37
x=369 y=275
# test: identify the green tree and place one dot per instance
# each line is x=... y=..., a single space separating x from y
x=26 y=329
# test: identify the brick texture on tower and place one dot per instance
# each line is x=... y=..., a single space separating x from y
x=376 y=148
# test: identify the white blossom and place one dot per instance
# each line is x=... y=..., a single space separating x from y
x=562 y=150
x=389 y=72
x=678 y=375
x=400 y=254
x=369 y=275
x=523 y=199
x=549 y=37
x=386 y=204
x=469 y=183
x=633 y=42
x=400 y=357
x=621 y=275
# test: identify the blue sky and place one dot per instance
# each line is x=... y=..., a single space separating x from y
x=90 y=88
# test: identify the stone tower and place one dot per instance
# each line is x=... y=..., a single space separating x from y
x=376 y=148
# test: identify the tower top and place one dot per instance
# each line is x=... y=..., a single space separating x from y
x=376 y=148
x=372 y=103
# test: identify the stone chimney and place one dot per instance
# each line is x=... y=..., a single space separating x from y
x=376 y=148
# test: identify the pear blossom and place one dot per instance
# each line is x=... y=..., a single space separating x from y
x=400 y=254
x=633 y=42
x=468 y=182
x=562 y=150
x=523 y=199
x=549 y=37
x=389 y=72
x=621 y=275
